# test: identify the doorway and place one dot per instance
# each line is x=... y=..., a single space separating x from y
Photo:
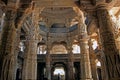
x=58 y=71
x=41 y=70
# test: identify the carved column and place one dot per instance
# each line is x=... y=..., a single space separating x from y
x=30 y=57
x=92 y=61
x=70 y=61
x=112 y=58
x=85 y=61
x=7 y=47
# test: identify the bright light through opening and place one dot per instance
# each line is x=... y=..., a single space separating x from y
x=59 y=71
x=21 y=46
x=98 y=63
x=76 y=49
x=95 y=45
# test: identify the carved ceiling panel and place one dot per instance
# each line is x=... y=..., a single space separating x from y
x=63 y=15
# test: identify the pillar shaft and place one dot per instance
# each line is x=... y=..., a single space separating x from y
x=108 y=42
x=71 y=64
x=48 y=64
x=30 y=56
x=7 y=47
x=85 y=61
x=30 y=61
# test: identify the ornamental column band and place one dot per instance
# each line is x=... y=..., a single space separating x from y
x=112 y=58
x=7 y=47
x=30 y=56
x=85 y=61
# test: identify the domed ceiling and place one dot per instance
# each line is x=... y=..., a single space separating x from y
x=58 y=16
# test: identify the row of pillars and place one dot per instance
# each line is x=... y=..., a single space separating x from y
x=9 y=42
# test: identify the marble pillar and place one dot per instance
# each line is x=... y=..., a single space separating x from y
x=7 y=46
x=85 y=60
x=112 y=58
x=30 y=58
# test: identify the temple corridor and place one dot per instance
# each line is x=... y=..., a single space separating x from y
x=59 y=39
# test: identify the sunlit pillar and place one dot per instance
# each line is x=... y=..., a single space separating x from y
x=85 y=60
